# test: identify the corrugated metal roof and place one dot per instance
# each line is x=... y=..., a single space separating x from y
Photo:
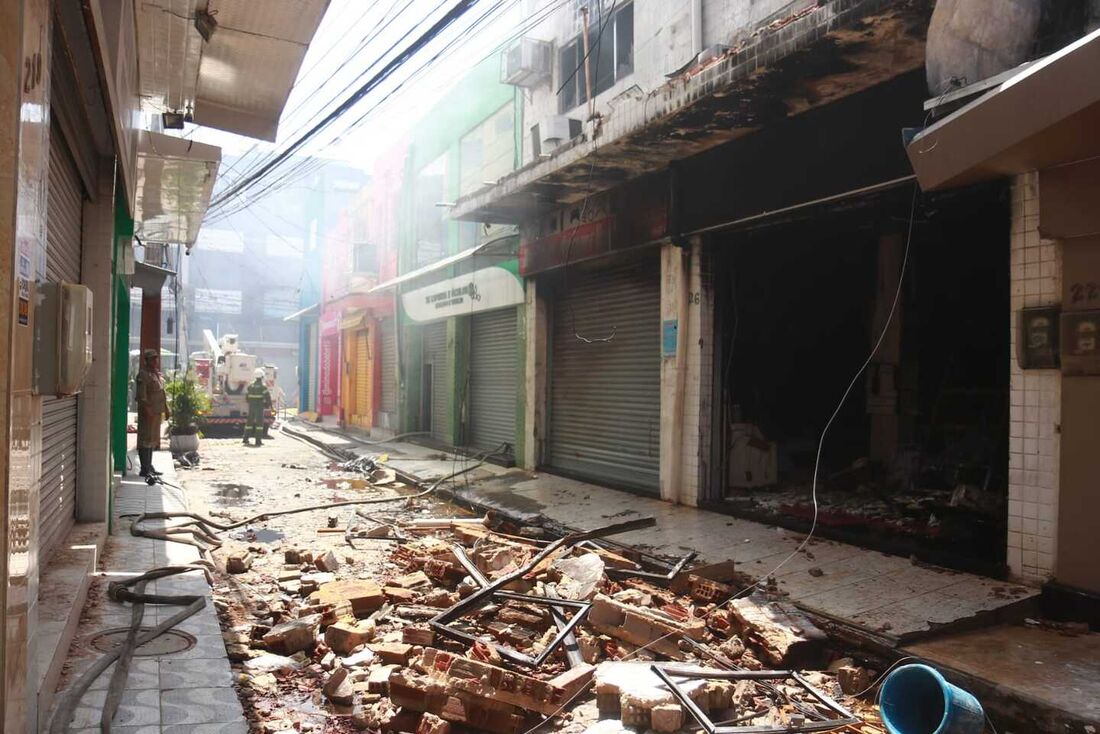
x=175 y=178
x=237 y=81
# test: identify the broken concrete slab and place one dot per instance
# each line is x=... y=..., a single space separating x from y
x=781 y=632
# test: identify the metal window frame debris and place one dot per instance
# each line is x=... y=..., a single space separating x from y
x=846 y=718
x=660 y=578
x=442 y=622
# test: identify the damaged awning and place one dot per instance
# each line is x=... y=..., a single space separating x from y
x=483 y=249
x=175 y=178
x=149 y=278
x=238 y=79
x=742 y=89
x=307 y=311
x=1045 y=115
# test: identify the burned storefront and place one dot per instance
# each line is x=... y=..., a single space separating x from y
x=833 y=277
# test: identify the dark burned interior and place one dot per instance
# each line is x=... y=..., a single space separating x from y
x=916 y=460
x=797 y=304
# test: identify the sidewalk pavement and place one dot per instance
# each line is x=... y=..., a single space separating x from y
x=190 y=691
x=889 y=597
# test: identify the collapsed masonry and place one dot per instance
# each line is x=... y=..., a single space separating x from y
x=478 y=630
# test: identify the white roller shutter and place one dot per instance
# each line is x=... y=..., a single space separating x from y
x=57 y=497
x=438 y=357
x=493 y=363
x=605 y=403
x=389 y=368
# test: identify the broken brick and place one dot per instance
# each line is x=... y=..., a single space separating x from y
x=364 y=596
x=418 y=634
x=666 y=717
x=338 y=688
x=399 y=595
x=412 y=580
x=293 y=636
x=238 y=562
x=392 y=653
x=327 y=562
x=343 y=637
x=432 y=724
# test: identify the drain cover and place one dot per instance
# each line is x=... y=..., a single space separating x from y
x=170 y=642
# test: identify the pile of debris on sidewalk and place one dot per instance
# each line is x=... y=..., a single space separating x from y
x=469 y=628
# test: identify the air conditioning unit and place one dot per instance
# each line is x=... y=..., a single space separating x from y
x=526 y=63
x=63 y=331
x=550 y=132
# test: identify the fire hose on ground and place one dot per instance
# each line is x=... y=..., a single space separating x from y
x=202 y=532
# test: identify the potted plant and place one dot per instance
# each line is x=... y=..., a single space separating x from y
x=188 y=403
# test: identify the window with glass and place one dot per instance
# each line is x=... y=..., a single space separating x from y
x=610 y=58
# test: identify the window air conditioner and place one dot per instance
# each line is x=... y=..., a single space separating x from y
x=526 y=63
x=550 y=132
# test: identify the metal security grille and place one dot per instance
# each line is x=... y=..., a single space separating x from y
x=57 y=498
x=311 y=368
x=605 y=407
x=493 y=363
x=388 y=371
x=438 y=356
x=362 y=415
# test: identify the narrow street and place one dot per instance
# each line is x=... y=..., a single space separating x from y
x=270 y=574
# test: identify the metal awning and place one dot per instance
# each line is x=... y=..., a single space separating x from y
x=1046 y=115
x=149 y=278
x=175 y=178
x=304 y=312
x=353 y=320
x=445 y=262
x=240 y=77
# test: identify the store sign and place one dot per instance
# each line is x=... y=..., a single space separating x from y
x=481 y=290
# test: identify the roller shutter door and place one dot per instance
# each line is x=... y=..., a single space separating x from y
x=605 y=406
x=438 y=357
x=493 y=379
x=389 y=367
x=57 y=498
x=311 y=370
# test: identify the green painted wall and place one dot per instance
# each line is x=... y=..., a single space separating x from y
x=120 y=367
x=469 y=103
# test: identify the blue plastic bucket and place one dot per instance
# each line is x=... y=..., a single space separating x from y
x=916 y=699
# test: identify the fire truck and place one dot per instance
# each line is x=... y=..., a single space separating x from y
x=225 y=372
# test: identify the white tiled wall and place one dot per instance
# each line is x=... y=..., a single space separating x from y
x=1035 y=398
x=698 y=349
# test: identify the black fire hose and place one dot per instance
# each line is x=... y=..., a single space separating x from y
x=205 y=530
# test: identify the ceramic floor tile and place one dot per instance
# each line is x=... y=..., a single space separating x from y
x=144 y=674
x=194 y=673
x=200 y=706
x=137 y=708
x=234 y=727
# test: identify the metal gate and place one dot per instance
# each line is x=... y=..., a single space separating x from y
x=493 y=366
x=437 y=358
x=64 y=214
x=605 y=402
x=388 y=370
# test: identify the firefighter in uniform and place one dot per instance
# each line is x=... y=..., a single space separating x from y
x=151 y=404
x=259 y=400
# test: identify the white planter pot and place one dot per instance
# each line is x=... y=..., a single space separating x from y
x=184 y=444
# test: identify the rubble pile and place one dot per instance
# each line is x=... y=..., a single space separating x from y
x=468 y=628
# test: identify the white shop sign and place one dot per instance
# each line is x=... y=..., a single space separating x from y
x=481 y=290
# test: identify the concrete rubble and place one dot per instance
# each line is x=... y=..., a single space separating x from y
x=373 y=653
